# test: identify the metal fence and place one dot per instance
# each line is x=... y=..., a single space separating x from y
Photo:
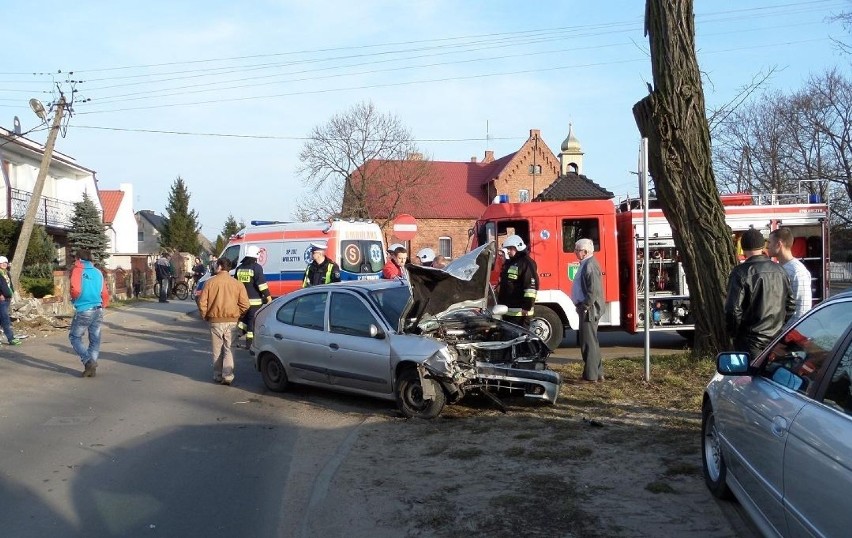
x=51 y=211
x=840 y=271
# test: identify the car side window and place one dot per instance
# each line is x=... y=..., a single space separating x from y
x=307 y=311
x=839 y=391
x=349 y=315
x=795 y=360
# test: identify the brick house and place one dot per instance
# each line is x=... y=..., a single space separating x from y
x=456 y=193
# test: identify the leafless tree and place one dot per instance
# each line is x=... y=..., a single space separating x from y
x=361 y=164
x=845 y=19
x=673 y=119
x=799 y=143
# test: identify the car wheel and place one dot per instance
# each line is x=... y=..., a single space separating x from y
x=272 y=371
x=547 y=325
x=409 y=396
x=715 y=470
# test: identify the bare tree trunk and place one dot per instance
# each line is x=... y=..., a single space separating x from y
x=672 y=117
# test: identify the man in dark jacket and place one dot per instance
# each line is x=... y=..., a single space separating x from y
x=321 y=270
x=250 y=273
x=518 y=282
x=163 y=272
x=760 y=299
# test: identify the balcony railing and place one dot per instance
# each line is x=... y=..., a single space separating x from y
x=51 y=211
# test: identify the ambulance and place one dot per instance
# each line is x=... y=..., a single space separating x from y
x=617 y=231
x=285 y=250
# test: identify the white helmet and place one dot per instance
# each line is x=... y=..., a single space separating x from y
x=252 y=251
x=426 y=255
x=395 y=246
x=514 y=241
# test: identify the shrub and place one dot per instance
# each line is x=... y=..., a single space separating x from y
x=37 y=287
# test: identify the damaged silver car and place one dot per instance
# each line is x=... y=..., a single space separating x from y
x=424 y=341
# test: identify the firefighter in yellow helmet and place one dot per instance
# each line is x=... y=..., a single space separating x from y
x=250 y=273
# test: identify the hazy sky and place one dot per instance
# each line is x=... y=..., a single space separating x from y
x=272 y=70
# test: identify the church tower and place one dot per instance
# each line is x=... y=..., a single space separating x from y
x=571 y=157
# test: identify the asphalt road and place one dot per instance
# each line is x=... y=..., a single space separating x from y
x=151 y=446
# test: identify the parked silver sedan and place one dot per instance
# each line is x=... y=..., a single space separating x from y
x=777 y=430
x=423 y=341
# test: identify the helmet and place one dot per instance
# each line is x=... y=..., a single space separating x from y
x=252 y=251
x=319 y=245
x=514 y=241
x=395 y=246
x=426 y=255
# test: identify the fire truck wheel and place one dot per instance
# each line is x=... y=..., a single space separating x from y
x=547 y=325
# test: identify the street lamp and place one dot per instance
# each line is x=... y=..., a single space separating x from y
x=32 y=207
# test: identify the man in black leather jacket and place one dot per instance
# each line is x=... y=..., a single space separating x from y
x=760 y=299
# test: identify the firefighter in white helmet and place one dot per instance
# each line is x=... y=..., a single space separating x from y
x=426 y=256
x=250 y=273
x=518 y=282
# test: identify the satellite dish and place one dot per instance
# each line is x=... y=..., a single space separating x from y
x=38 y=108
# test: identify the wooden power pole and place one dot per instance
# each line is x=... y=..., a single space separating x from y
x=35 y=200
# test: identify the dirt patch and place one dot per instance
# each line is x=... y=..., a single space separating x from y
x=620 y=458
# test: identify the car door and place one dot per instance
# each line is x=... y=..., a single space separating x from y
x=357 y=360
x=759 y=411
x=818 y=458
x=301 y=338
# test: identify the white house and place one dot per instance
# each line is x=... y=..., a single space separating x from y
x=120 y=223
x=66 y=181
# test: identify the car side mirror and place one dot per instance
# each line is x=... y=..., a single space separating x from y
x=499 y=310
x=376 y=333
x=733 y=363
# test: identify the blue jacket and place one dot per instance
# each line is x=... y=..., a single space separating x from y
x=88 y=289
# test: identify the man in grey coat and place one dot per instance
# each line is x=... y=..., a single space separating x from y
x=587 y=295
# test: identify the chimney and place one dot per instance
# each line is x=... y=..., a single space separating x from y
x=489 y=156
x=535 y=133
x=473 y=159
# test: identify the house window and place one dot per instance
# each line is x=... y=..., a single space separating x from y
x=140 y=236
x=535 y=169
x=445 y=247
x=523 y=195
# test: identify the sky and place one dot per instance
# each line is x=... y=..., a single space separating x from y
x=244 y=83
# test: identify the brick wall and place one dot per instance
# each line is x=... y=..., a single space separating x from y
x=430 y=230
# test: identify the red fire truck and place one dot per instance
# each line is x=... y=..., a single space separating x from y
x=551 y=229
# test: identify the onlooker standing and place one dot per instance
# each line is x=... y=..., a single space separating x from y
x=781 y=246
x=6 y=294
x=760 y=300
x=90 y=296
x=395 y=266
x=223 y=301
x=439 y=262
x=163 y=270
x=321 y=270
x=587 y=295
x=518 y=282
x=250 y=273
x=198 y=271
x=426 y=257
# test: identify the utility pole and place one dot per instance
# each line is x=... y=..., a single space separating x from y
x=32 y=208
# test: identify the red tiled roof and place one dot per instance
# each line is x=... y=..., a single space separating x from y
x=455 y=190
x=110 y=201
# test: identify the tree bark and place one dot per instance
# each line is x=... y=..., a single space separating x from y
x=673 y=119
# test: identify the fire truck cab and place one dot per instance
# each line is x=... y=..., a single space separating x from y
x=552 y=228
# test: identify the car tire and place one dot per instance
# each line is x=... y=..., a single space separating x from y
x=409 y=396
x=547 y=325
x=273 y=373
x=715 y=469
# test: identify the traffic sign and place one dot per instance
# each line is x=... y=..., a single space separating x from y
x=405 y=227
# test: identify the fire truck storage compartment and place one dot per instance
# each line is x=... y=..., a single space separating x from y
x=668 y=293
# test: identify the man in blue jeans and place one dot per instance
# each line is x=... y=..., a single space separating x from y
x=6 y=293
x=89 y=296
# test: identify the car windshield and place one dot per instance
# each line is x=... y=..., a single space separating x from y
x=391 y=302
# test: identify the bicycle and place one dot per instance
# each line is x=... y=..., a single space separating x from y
x=179 y=290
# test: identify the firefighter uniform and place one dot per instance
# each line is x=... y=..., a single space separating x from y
x=321 y=273
x=250 y=274
x=518 y=288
